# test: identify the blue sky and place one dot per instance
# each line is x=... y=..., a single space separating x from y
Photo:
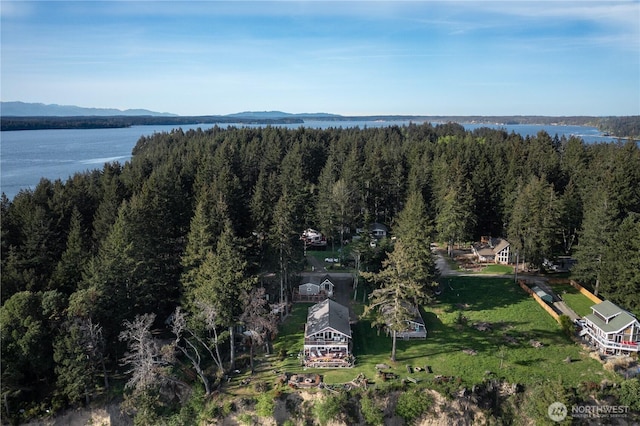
x=352 y=58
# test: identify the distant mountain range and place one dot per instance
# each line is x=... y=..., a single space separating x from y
x=24 y=109
x=262 y=115
x=32 y=116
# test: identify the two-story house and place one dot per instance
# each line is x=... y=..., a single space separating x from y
x=327 y=336
x=612 y=329
x=493 y=250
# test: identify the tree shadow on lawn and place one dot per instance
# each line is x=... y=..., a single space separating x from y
x=479 y=293
x=367 y=341
x=454 y=338
x=444 y=338
x=530 y=362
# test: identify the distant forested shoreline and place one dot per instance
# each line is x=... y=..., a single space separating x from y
x=49 y=123
x=624 y=127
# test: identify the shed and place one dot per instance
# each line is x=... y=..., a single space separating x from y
x=309 y=289
x=542 y=294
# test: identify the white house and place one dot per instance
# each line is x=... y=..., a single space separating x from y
x=327 y=336
x=612 y=329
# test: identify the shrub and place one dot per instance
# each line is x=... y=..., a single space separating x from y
x=282 y=354
x=618 y=363
x=372 y=412
x=246 y=419
x=566 y=325
x=330 y=408
x=629 y=393
x=265 y=405
x=412 y=405
x=540 y=396
x=227 y=408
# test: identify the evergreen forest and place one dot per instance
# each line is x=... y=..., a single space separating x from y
x=176 y=242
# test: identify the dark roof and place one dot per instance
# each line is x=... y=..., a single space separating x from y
x=317 y=279
x=380 y=226
x=328 y=314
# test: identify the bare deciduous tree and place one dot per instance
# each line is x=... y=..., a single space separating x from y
x=147 y=362
x=257 y=319
x=189 y=344
x=210 y=315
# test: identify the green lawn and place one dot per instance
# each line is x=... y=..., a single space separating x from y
x=514 y=318
x=323 y=254
x=497 y=269
x=512 y=315
x=580 y=303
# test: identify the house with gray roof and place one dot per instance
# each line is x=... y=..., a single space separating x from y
x=416 y=329
x=327 y=336
x=612 y=329
x=313 y=285
x=493 y=250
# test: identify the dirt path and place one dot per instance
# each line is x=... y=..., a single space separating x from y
x=558 y=303
x=316 y=264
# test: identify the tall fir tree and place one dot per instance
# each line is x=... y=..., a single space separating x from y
x=220 y=281
x=68 y=272
x=398 y=289
x=535 y=220
x=594 y=239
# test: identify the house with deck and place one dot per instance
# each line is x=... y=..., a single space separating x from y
x=612 y=329
x=493 y=250
x=415 y=328
x=327 y=336
x=314 y=288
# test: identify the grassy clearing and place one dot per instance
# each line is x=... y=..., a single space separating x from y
x=505 y=350
x=580 y=304
x=513 y=317
x=497 y=269
x=335 y=254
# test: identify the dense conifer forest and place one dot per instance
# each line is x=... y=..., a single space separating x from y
x=83 y=260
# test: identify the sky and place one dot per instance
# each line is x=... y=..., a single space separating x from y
x=352 y=58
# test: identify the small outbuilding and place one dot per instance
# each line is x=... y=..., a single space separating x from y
x=314 y=288
x=542 y=294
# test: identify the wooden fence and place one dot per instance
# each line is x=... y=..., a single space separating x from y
x=541 y=302
x=582 y=290
x=591 y=296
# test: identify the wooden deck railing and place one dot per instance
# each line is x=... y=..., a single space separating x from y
x=610 y=344
x=322 y=342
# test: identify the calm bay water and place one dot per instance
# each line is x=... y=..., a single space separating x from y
x=26 y=156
